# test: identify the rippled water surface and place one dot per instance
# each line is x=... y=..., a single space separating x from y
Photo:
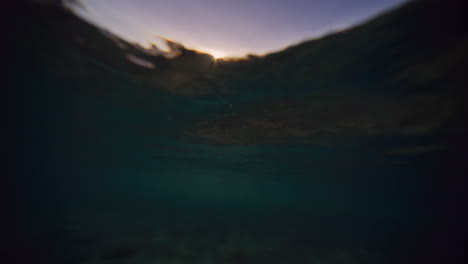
x=122 y=156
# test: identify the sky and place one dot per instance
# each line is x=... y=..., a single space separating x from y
x=230 y=28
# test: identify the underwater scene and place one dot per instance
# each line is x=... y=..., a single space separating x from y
x=348 y=148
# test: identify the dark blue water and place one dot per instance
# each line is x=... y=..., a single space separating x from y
x=107 y=173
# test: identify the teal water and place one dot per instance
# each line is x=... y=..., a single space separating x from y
x=107 y=173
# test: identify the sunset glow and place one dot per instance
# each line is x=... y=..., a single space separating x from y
x=230 y=28
x=216 y=54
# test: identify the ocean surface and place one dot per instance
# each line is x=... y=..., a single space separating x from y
x=109 y=168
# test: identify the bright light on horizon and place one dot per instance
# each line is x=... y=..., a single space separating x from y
x=233 y=30
x=217 y=54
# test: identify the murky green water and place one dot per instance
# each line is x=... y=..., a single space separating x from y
x=111 y=168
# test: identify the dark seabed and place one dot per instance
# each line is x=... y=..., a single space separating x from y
x=347 y=149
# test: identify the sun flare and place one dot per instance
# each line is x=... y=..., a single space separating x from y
x=216 y=54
